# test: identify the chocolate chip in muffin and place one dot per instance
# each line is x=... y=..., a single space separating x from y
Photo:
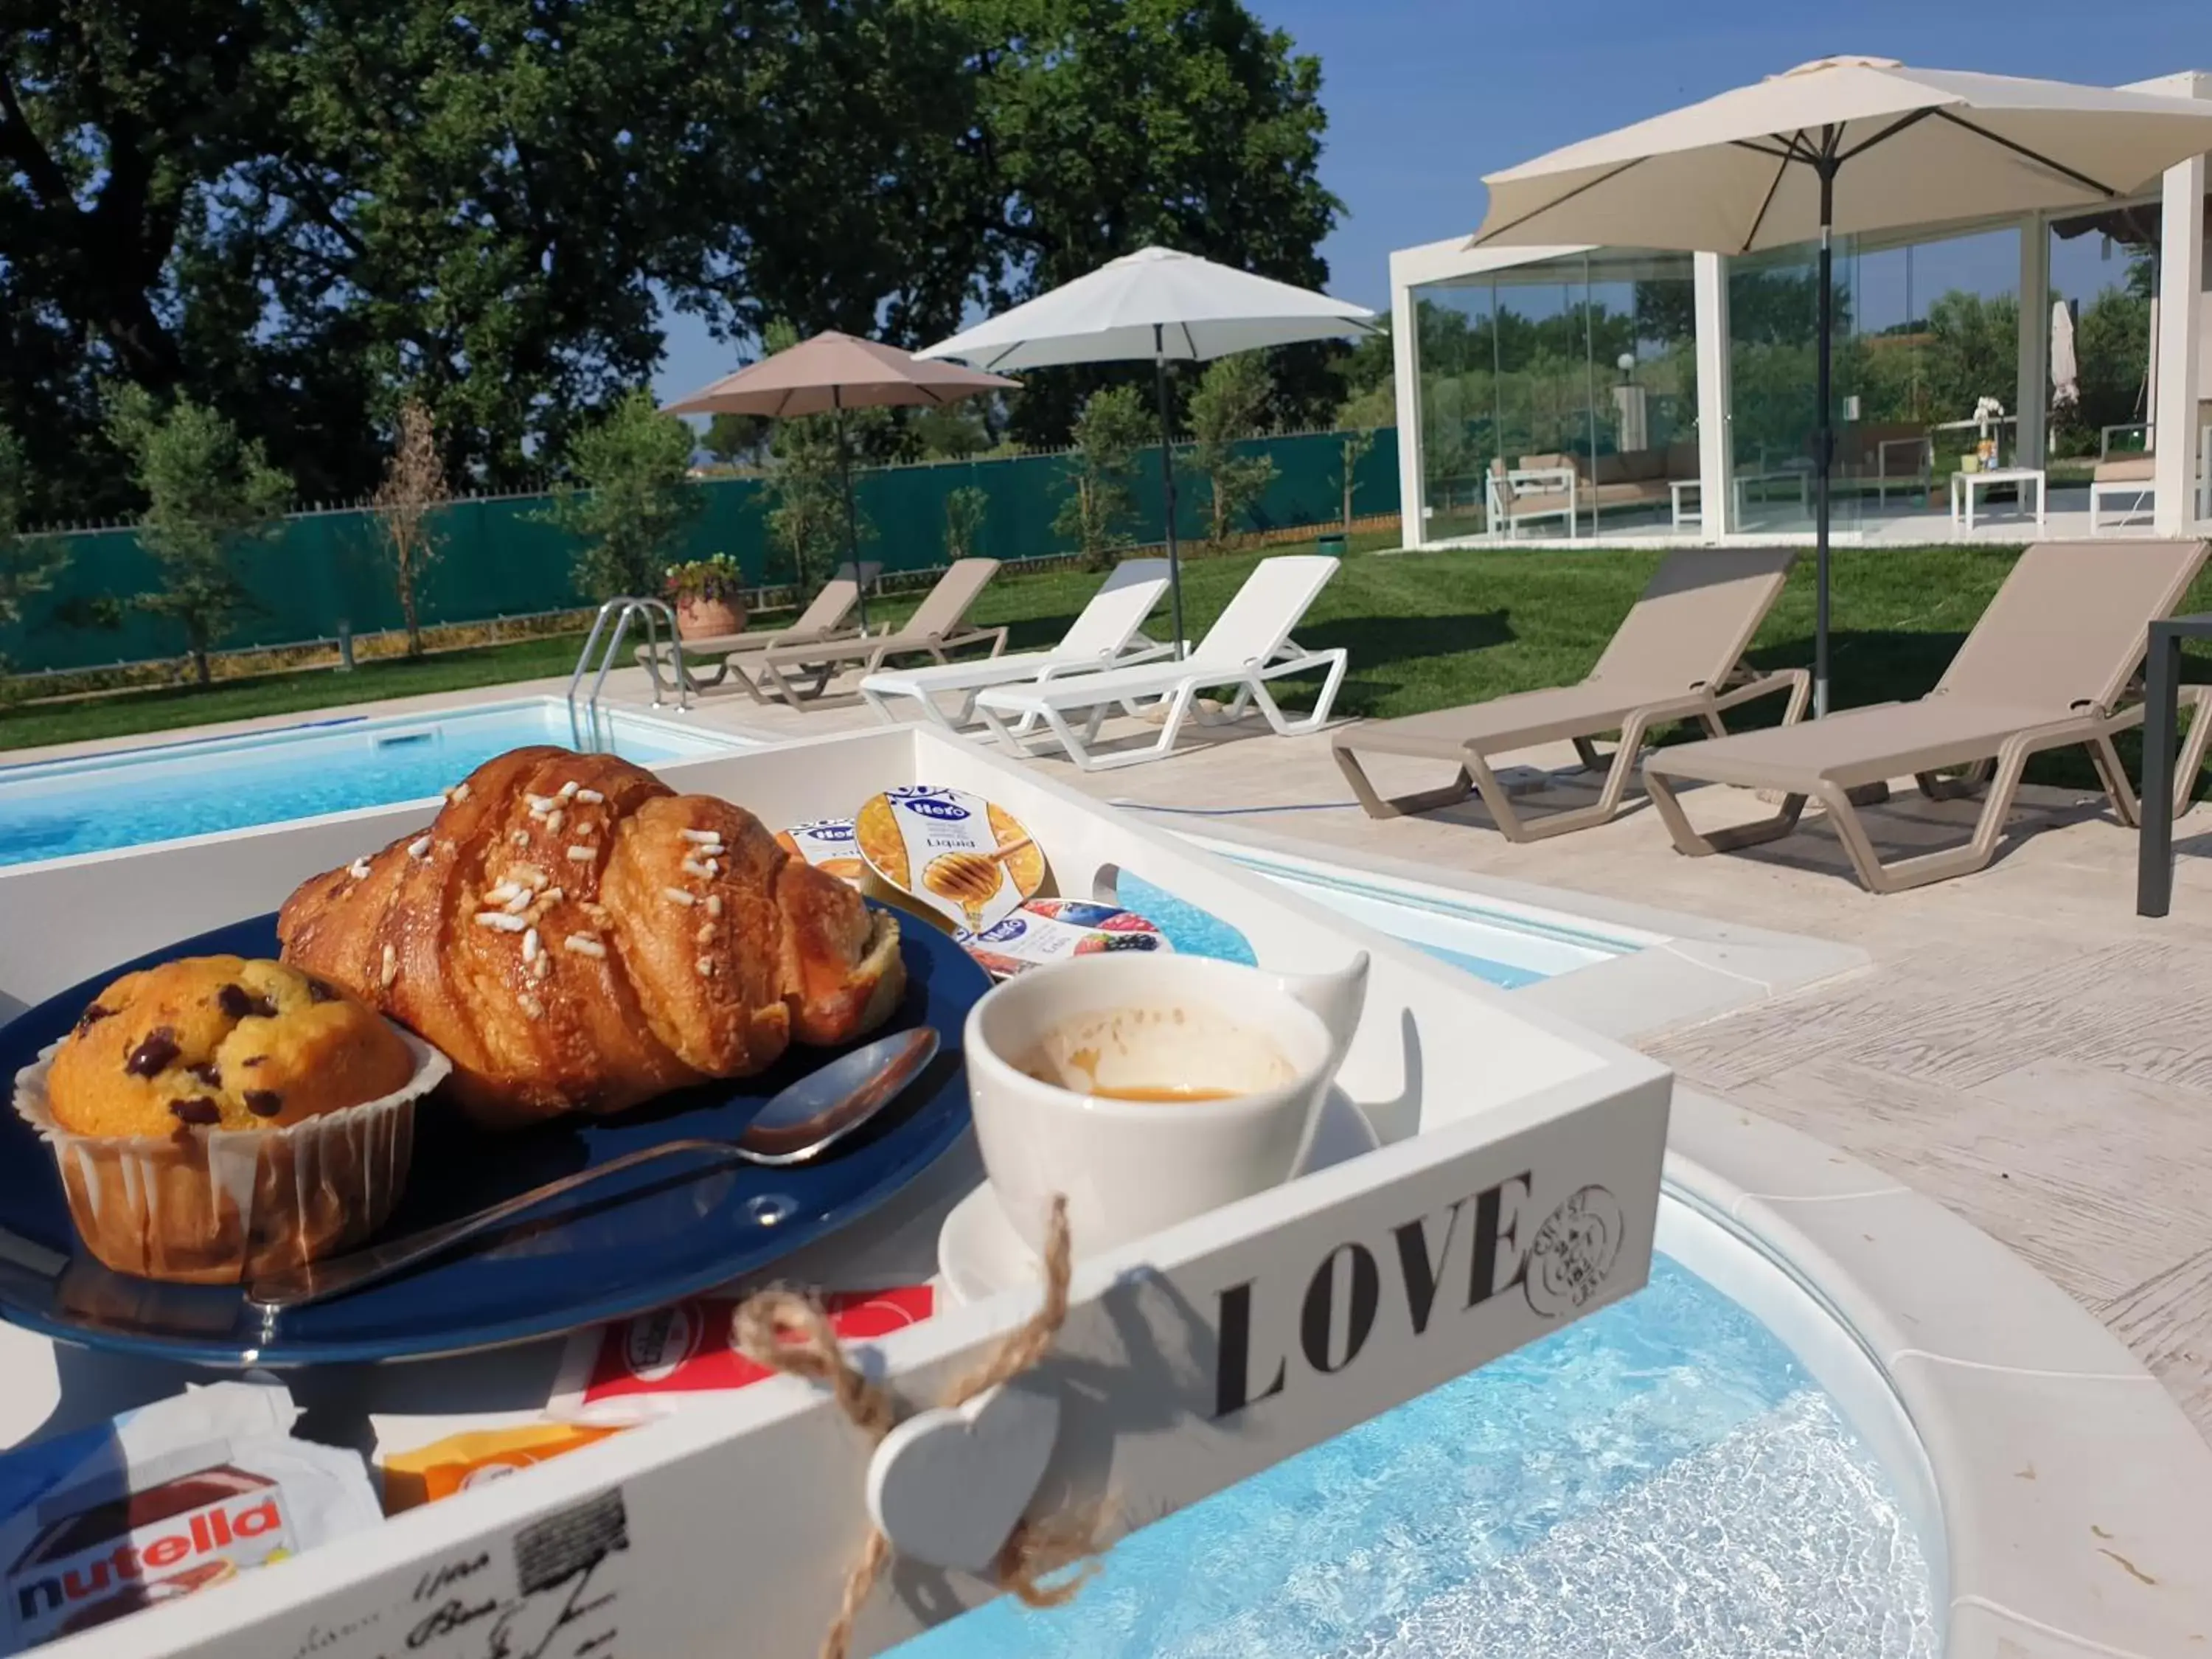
x=91 y=1017
x=264 y=1102
x=319 y=991
x=241 y=1004
x=199 y=1110
x=207 y=1073
x=155 y=1054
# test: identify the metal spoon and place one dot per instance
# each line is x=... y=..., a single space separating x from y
x=798 y=1125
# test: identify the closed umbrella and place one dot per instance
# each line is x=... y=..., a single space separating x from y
x=828 y=374
x=2065 y=371
x=1849 y=144
x=1162 y=305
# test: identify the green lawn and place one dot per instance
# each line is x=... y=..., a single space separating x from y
x=1425 y=631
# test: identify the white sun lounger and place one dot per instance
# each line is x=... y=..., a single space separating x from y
x=1249 y=646
x=1107 y=634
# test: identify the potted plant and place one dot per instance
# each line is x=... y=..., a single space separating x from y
x=708 y=596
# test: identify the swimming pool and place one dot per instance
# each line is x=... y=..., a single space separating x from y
x=194 y=787
x=1662 y=1478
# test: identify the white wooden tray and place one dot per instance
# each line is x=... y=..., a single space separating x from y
x=1189 y=1361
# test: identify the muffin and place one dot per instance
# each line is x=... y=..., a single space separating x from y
x=216 y=1118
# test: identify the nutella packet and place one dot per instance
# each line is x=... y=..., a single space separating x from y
x=164 y=1501
x=639 y=1368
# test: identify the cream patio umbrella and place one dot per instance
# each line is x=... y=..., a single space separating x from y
x=1849 y=144
x=1164 y=305
x=2065 y=367
x=826 y=375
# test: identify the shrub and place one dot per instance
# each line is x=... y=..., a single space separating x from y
x=965 y=509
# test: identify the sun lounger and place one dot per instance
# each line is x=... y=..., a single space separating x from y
x=2052 y=664
x=1107 y=634
x=823 y=619
x=1246 y=648
x=1677 y=656
x=938 y=625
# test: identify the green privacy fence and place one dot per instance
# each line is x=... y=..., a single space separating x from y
x=498 y=560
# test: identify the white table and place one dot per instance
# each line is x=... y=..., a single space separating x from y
x=1797 y=477
x=1964 y=484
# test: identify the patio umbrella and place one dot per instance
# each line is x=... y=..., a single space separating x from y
x=1162 y=305
x=828 y=374
x=2065 y=371
x=1849 y=144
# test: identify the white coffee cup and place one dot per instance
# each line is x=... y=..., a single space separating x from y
x=1130 y=1167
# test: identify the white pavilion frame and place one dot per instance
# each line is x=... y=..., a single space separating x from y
x=2179 y=374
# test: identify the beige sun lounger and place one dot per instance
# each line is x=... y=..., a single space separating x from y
x=2052 y=664
x=938 y=625
x=1678 y=655
x=823 y=619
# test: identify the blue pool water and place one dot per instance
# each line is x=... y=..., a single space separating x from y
x=1662 y=1479
x=1494 y=948
x=191 y=787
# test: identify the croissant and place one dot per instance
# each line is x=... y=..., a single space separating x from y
x=578 y=937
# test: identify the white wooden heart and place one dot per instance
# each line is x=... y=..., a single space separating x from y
x=946 y=1487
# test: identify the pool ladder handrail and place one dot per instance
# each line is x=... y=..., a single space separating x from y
x=621 y=608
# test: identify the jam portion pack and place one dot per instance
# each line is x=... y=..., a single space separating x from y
x=161 y=1502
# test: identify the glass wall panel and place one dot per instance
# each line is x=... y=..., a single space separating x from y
x=1774 y=334
x=1643 y=316
x=1458 y=404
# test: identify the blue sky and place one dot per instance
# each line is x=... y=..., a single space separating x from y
x=1424 y=96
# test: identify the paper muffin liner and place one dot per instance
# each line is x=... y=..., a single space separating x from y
x=219 y=1206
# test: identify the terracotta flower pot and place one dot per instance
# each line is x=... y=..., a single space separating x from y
x=706 y=619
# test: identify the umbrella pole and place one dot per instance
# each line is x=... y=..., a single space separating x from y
x=851 y=520
x=1823 y=442
x=1167 y=487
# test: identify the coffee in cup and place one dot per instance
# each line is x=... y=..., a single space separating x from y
x=1158 y=1053
x=1147 y=1090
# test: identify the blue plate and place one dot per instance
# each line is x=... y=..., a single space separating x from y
x=663 y=1234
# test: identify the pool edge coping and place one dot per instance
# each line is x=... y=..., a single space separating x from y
x=2036 y=1422
x=1689 y=968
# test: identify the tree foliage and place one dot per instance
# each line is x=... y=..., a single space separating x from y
x=29 y=564
x=1111 y=428
x=210 y=495
x=631 y=498
x=1229 y=404
x=965 y=510
x=301 y=212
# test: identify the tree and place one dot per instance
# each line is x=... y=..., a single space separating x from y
x=805 y=502
x=965 y=509
x=1352 y=449
x=414 y=484
x=210 y=495
x=632 y=496
x=299 y=214
x=29 y=564
x=1111 y=428
x=736 y=439
x=1229 y=406
x=1103 y=126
